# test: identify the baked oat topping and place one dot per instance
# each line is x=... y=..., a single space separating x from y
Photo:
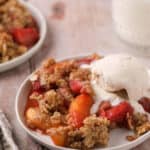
x=52 y=102
x=8 y=48
x=94 y=132
x=15 y=15
x=140 y=125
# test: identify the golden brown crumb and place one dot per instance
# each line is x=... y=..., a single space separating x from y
x=58 y=119
x=52 y=101
x=131 y=137
x=66 y=94
x=140 y=130
x=139 y=118
x=143 y=128
x=80 y=74
x=139 y=124
x=60 y=129
x=75 y=139
x=94 y=132
x=95 y=129
x=62 y=83
x=36 y=96
x=14 y=15
x=9 y=49
x=49 y=62
x=65 y=67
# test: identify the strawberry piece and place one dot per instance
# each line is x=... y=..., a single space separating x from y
x=79 y=110
x=26 y=36
x=145 y=102
x=75 y=86
x=118 y=113
x=36 y=85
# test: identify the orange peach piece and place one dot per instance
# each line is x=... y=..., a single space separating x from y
x=80 y=109
x=36 y=120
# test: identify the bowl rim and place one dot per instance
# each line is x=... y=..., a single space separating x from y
x=36 y=46
x=139 y=140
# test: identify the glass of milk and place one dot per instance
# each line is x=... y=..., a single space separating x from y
x=132 y=20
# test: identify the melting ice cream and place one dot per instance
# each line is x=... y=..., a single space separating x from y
x=119 y=72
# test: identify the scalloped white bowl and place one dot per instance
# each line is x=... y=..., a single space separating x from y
x=117 y=137
x=41 y=22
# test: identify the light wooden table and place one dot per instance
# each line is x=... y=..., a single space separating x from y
x=75 y=27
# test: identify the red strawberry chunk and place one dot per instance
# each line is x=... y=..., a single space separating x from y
x=75 y=86
x=26 y=36
x=118 y=113
x=36 y=86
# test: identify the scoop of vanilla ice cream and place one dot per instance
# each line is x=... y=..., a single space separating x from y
x=119 y=71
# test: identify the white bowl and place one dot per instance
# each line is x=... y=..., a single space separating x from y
x=117 y=137
x=42 y=28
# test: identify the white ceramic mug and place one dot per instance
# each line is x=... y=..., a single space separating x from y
x=132 y=20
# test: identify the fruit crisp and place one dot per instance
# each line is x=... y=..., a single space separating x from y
x=18 y=30
x=60 y=101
